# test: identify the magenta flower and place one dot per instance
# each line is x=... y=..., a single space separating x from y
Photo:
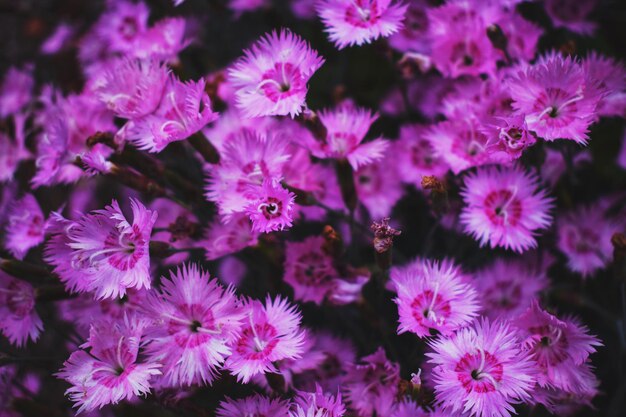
x=271 y=207
x=371 y=386
x=133 y=88
x=19 y=320
x=25 y=226
x=225 y=238
x=16 y=90
x=12 y=152
x=434 y=297
x=565 y=403
x=318 y=404
x=184 y=109
x=415 y=155
x=346 y=128
x=608 y=76
x=555 y=98
x=584 y=236
x=379 y=186
x=560 y=347
x=196 y=320
x=356 y=22
x=270 y=333
x=507 y=287
x=309 y=270
x=110 y=372
x=103 y=252
x=271 y=78
x=122 y=24
x=481 y=370
x=163 y=41
x=240 y=6
x=256 y=405
x=413 y=35
x=509 y=135
x=572 y=15
x=504 y=208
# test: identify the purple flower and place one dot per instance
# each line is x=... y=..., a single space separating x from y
x=415 y=155
x=195 y=321
x=19 y=320
x=379 y=186
x=572 y=15
x=271 y=78
x=224 y=238
x=110 y=372
x=103 y=252
x=25 y=226
x=271 y=207
x=15 y=91
x=504 y=208
x=481 y=370
x=434 y=297
x=256 y=405
x=357 y=22
x=609 y=77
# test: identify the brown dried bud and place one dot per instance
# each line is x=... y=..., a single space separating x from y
x=105 y=138
x=182 y=228
x=383 y=235
x=430 y=182
x=333 y=244
x=619 y=246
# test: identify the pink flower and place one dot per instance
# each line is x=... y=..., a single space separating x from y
x=25 y=226
x=434 y=297
x=271 y=78
x=122 y=24
x=240 y=6
x=565 y=403
x=256 y=405
x=19 y=320
x=110 y=372
x=481 y=370
x=318 y=404
x=163 y=41
x=224 y=238
x=309 y=270
x=504 y=208
x=15 y=91
x=102 y=252
x=271 y=207
x=195 y=321
x=608 y=76
x=509 y=135
x=560 y=347
x=356 y=22
x=507 y=287
x=378 y=186
x=413 y=35
x=184 y=109
x=270 y=333
x=371 y=386
x=572 y=15
x=415 y=155
x=133 y=88
x=346 y=127
x=555 y=98
x=12 y=152
x=584 y=236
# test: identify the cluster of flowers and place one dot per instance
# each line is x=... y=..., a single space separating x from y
x=486 y=97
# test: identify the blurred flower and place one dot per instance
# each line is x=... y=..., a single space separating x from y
x=25 y=226
x=252 y=406
x=19 y=320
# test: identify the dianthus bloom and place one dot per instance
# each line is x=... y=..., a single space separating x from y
x=507 y=287
x=256 y=405
x=609 y=76
x=433 y=297
x=309 y=270
x=560 y=347
x=504 y=208
x=346 y=128
x=271 y=78
x=224 y=238
x=372 y=385
x=416 y=156
x=271 y=207
x=196 y=319
x=572 y=15
x=111 y=371
x=133 y=88
x=25 y=226
x=555 y=99
x=19 y=320
x=270 y=333
x=318 y=404
x=185 y=108
x=481 y=370
x=103 y=252
x=356 y=22
x=584 y=236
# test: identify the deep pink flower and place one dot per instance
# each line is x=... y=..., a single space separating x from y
x=560 y=347
x=561 y=402
x=12 y=152
x=271 y=207
x=223 y=238
x=415 y=155
x=309 y=270
x=504 y=208
x=19 y=320
x=318 y=404
x=133 y=88
x=508 y=286
x=481 y=370
x=163 y=41
x=103 y=252
x=572 y=15
x=195 y=321
x=122 y=24
x=357 y=22
x=522 y=36
x=240 y=6
x=371 y=385
x=16 y=90
x=111 y=371
x=554 y=98
x=413 y=35
x=379 y=186
x=608 y=76
x=434 y=297
x=25 y=226
x=256 y=405
x=509 y=135
x=184 y=109
x=271 y=78
x=270 y=333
